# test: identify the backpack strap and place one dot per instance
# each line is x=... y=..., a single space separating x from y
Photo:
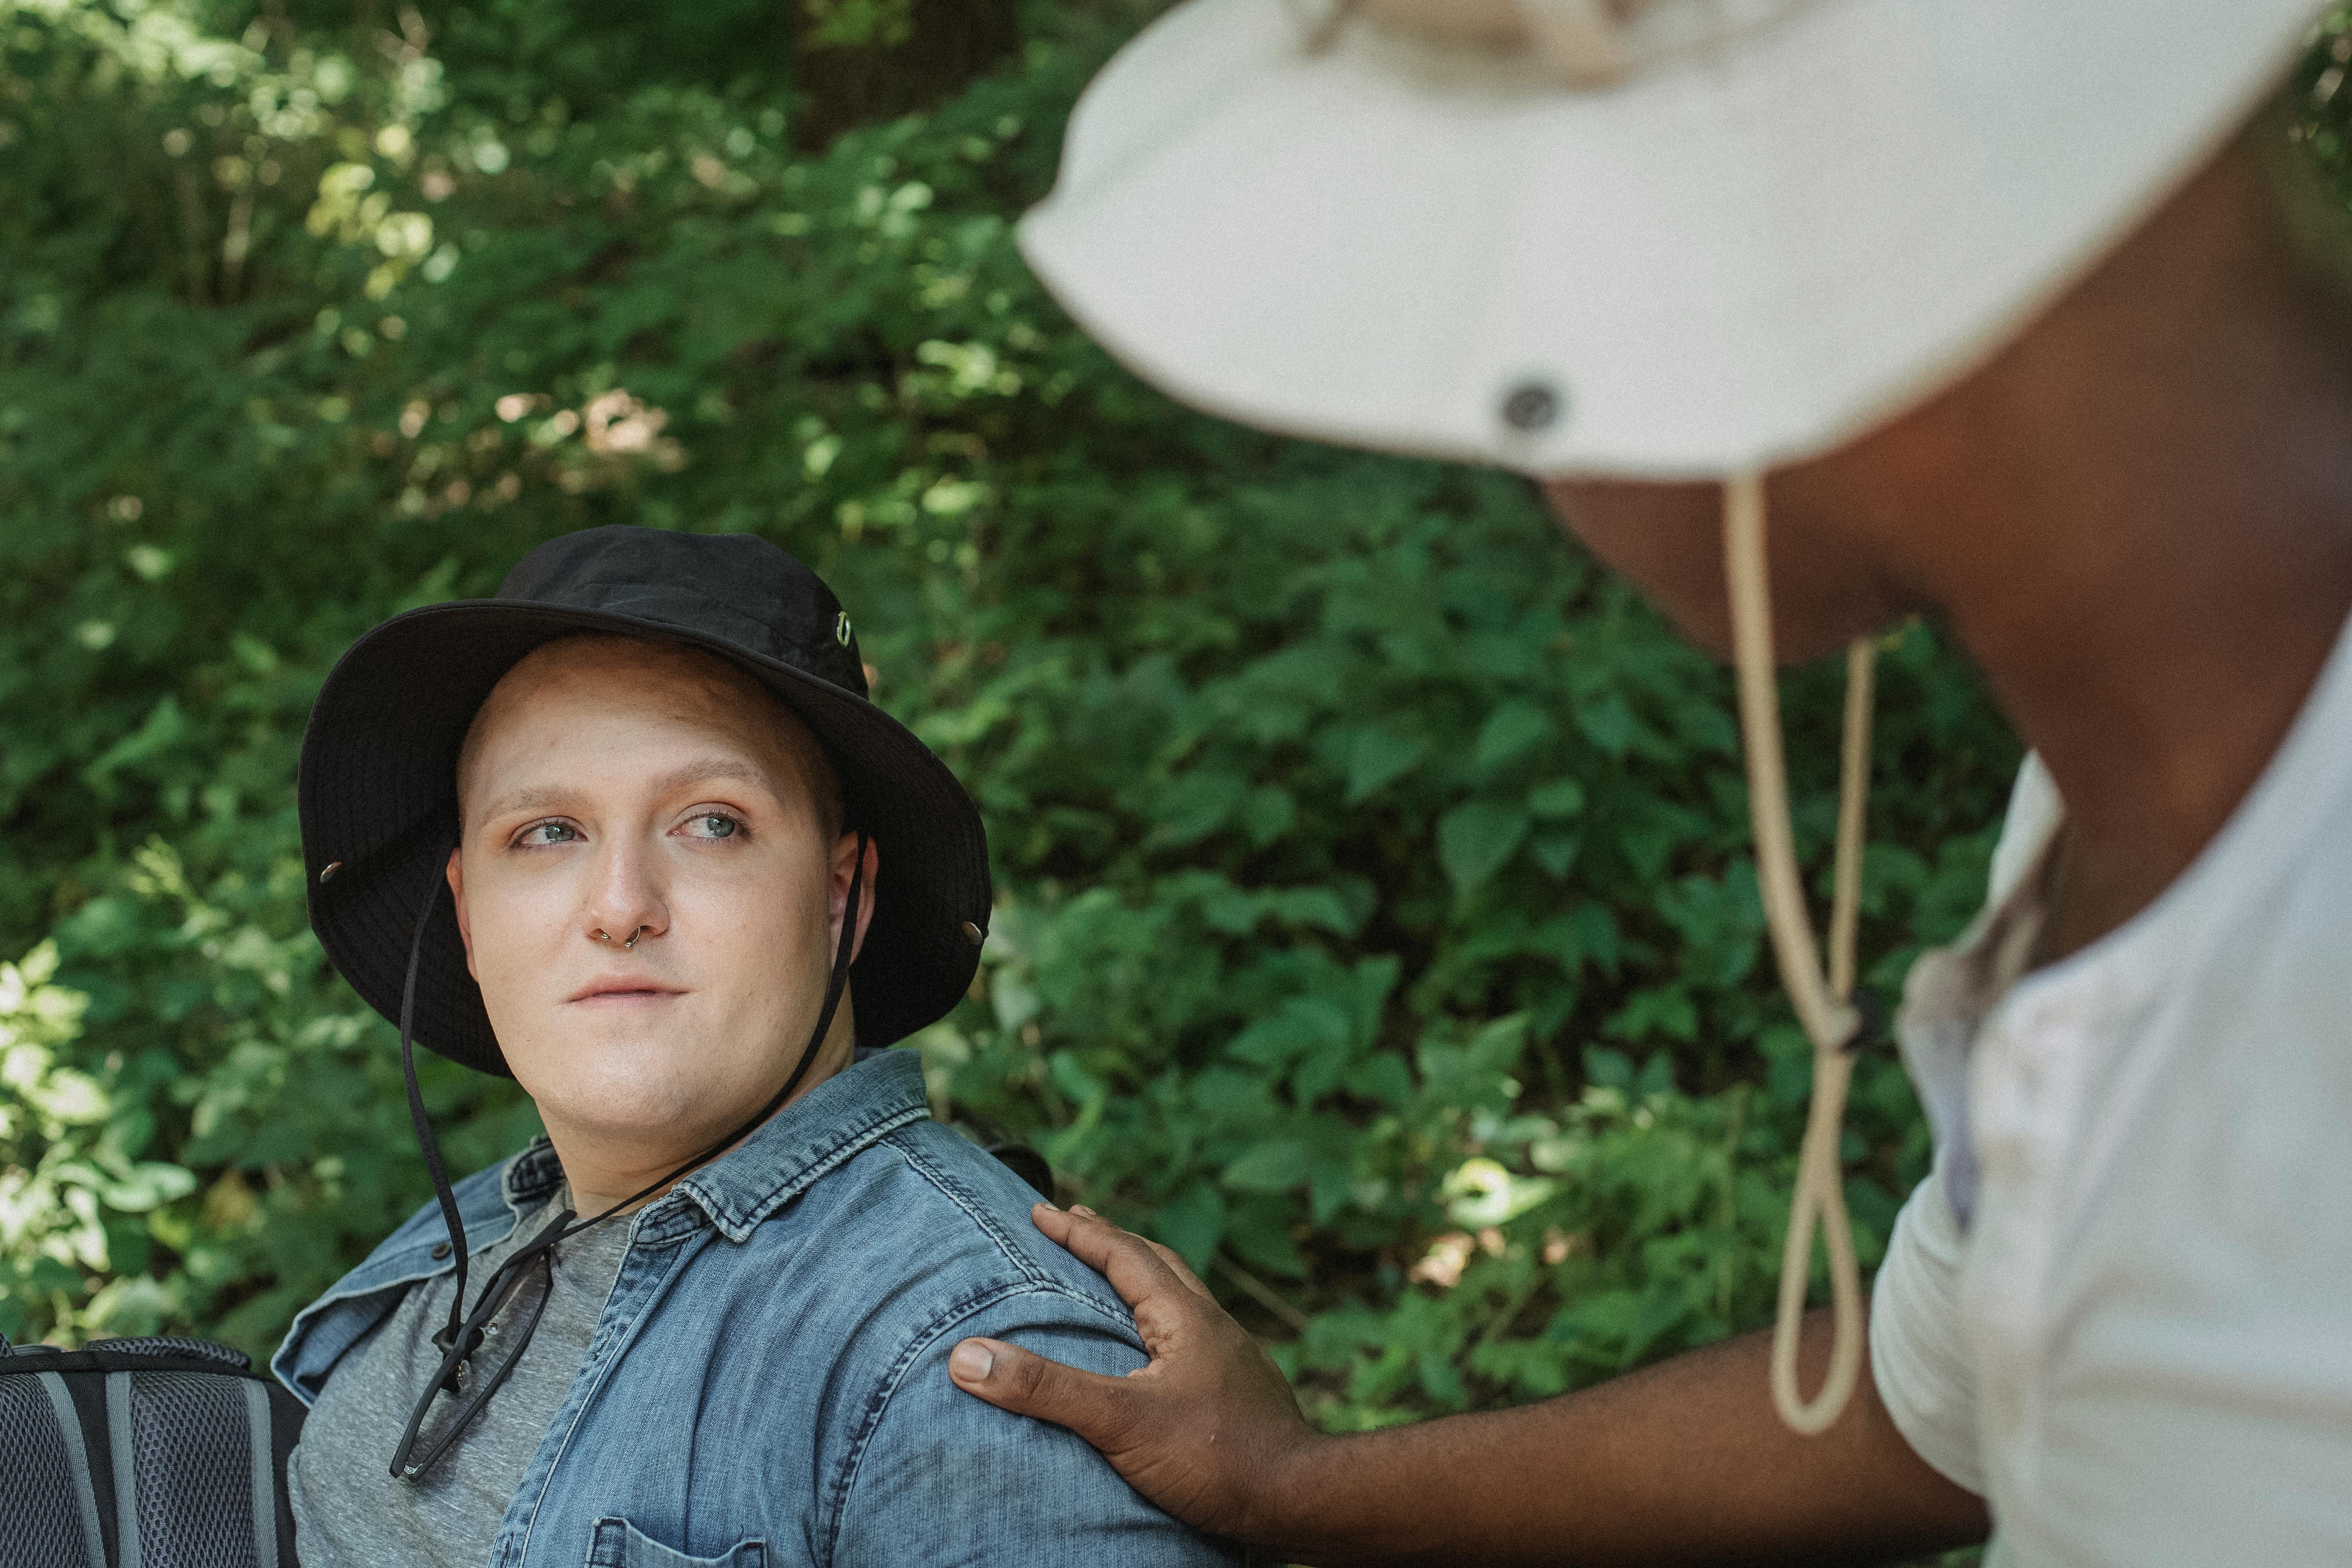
x=77 y=1459
x=198 y=1413
x=118 y=1432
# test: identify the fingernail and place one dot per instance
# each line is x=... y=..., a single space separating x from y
x=1082 y=1209
x=970 y=1362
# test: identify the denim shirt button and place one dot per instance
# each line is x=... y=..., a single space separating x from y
x=440 y=1250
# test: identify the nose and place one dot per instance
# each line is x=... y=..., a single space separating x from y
x=626 y=903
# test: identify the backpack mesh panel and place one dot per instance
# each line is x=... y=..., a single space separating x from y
x=169 y=1344
x=195 y=1470
x=40 y=1519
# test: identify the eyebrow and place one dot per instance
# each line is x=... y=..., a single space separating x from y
x=702 y=770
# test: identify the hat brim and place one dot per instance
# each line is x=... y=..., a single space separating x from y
x=1727 y=262
x=378 y=803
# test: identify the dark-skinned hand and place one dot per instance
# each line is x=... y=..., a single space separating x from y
x=1206 y=1429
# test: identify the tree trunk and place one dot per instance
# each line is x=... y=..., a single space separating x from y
x=947 y=44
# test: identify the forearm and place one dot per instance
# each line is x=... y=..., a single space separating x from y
x=1683 y=1462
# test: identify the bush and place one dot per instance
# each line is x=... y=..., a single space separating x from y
x=1376 y=924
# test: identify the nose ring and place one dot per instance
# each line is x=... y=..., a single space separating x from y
x=631 y=943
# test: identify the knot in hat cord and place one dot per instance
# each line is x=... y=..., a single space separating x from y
x=1823 y=1003
x=463 y=1334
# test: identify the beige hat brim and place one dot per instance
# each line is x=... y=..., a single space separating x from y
x=1726 y=263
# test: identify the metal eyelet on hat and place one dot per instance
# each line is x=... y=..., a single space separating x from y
x=973 y=934
x=841 y=628
x=327 y=873
x=1532 y=407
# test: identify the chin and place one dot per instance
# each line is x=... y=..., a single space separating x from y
x=629 y=1091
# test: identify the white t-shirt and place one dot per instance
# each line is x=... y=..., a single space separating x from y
x=2121 y=1307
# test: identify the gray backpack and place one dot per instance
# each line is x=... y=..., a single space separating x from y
x=156 y=1453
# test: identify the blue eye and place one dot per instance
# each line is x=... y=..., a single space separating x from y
x=714 y=825
x=548 y=832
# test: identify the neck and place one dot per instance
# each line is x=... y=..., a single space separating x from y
x=2154 y=570
x=609 y=1166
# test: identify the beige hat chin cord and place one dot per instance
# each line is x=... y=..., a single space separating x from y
x=1823 y=1003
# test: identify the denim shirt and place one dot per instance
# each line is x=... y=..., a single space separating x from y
x=768 y=1383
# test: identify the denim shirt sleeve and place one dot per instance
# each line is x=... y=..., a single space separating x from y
x=951 y=1481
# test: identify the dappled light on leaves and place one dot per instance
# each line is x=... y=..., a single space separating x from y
x=1375 y=923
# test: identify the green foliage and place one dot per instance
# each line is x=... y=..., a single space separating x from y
x=1376 y=922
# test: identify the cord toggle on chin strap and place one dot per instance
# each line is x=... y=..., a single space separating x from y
x=1823 y=1004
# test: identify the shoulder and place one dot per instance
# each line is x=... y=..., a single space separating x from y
x=892 y=1251
x=924 y=1202
x=917 y=1456
x=928 y=1241
x=980 y=1485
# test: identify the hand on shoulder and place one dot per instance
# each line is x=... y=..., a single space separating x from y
x=1208 y=1430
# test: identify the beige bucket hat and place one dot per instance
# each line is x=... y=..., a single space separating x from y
x=1669 y=239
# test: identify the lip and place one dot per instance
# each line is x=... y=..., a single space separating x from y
x=612 y=989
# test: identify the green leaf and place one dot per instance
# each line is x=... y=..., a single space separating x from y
x=1197 y=804
x=1384 y=1078
x=1556 y=852
x=1275 y=1166
x=1608 y=723
x=1561 y=797
x=1612 y=1069
x=1299 y=1025
x=1319 y=907
x=166 y=727
x=1320 y=1073
x=1661 y=1010
x=1474 y=841
x=1258 y=1230
x=1268 y=814
x=1510 y=729
x=1192 y=1223
x=1377 y=758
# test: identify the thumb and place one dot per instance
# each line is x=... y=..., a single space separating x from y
x=1087 y=1403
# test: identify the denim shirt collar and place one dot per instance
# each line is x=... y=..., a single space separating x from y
x=531 y=1177
x=831 y=1124
x=880 y=1092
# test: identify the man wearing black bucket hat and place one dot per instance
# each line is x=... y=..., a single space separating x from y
x=632 y=833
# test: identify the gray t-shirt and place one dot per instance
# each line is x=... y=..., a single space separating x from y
x=346 y=1507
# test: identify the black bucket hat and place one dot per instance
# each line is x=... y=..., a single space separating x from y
x=378 y=787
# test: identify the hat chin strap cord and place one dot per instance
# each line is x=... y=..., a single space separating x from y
x=1823 y=1003
x=458 y=1341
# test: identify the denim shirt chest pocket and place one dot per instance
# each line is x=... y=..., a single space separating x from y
x=617 y=1543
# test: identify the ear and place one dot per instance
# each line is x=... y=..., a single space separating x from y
x=456 y=875
x=845 y=862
